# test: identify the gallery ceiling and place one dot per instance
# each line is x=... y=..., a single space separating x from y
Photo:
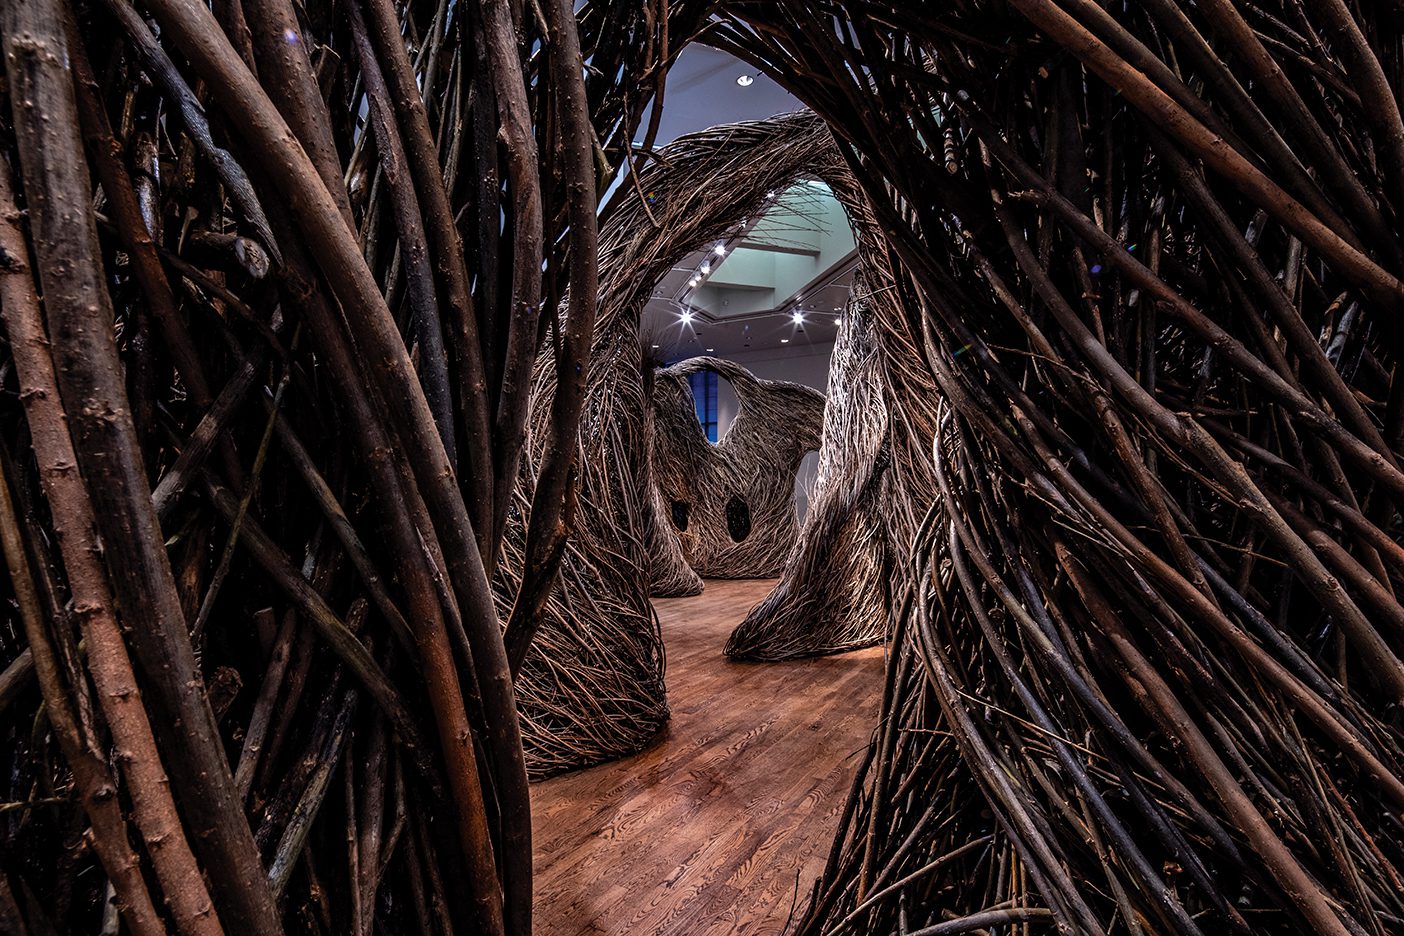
x=777 y=283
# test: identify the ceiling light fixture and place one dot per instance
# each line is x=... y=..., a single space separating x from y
x=720 y=249
x=710 y=350
x=745 y=81
x=687 y=318
x=706 y=267
x=694 y=281
x=798 y=317
x=784 y=341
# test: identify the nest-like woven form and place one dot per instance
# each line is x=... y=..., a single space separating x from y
x=670 y=575
x=835 y=592
x=591 y=688
x=1145 y=663
x=832 y=594
x=732 y=503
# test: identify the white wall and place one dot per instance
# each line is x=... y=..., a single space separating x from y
x=808 y=365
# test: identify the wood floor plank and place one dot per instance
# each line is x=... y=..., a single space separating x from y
x=708 y=830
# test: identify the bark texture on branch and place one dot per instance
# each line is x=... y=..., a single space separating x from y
x=263 y=299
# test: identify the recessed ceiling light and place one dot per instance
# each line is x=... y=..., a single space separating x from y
x=798 y=317
x=706 y=267
x=784 y=341
x=745 y=81
x=710 y=350
x=720 y=249
x=687 y=318
x=655 y=346
x=694 y=281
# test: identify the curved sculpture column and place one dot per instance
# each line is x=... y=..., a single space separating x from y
x=732 y=503
x=832 y=596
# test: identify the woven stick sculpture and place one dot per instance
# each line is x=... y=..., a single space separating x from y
x=1145 y=659
x=670 y=574
x=732 y=503
x=274 y=279
x=700 y=188
x=590 y=686
x=832 y=593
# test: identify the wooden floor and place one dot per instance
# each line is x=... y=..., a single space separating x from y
x=708 y=830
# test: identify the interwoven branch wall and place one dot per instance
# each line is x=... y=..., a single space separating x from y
x=836 y=589
x=671 y=575
x=591 y=687
x=732 y=503
x=1146 y=655
x=832 y=593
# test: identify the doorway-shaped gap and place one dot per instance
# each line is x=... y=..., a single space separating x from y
x=647 y=251
x=714 y=401
x=829 y=596
x=647 y=246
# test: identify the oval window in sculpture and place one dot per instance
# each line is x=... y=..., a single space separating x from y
x=738 y=518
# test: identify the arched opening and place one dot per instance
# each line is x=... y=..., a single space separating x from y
x=340 y=496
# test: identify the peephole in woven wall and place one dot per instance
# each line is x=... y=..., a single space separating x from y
x=731 y=503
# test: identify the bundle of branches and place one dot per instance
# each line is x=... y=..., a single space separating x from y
x=591 y=686
x=831 y=594
x=670 y=575
x=733 y=502
x=273 y=360
x=1151 y=614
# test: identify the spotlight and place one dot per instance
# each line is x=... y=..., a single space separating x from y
x=720 y=249
x=797 y=317
x=694 y=281
x=687 y=318
x=745 y=81
x=706 y=267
